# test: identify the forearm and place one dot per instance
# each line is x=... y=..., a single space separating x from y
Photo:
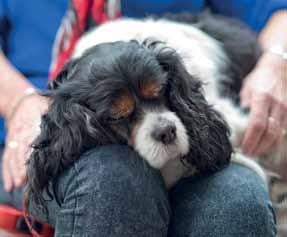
x=275 y=31
x=264 y=91
x=274 y=34
x=13 y=83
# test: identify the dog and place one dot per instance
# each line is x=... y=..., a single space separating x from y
x=167 y=87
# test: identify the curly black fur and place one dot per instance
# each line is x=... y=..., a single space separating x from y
x=80 y=101
x=207 y=130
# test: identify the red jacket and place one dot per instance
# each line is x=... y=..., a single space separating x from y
x=81 y=15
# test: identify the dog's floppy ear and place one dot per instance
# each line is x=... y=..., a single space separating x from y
x=210 y=147
x=65 y=74
x=69 y=128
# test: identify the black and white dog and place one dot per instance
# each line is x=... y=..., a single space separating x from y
x=166 y=88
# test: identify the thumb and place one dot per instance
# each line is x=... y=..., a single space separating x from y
x=7 y=178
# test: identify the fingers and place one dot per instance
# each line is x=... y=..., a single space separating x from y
x=268 y=120
x=276 y=126
x=281 y=137
x=258 y=122
x=7 y=178
x=269 y=138
x=19 y=163
x=283 y=122
x=22 y=156
x=16 y=154
x=14 y=168
x=21 y=130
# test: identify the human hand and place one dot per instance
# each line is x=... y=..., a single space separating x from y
x=265 y=93
x=22 y=129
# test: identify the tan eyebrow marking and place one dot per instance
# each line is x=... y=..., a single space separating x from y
x=150 y=89
x=124 y=105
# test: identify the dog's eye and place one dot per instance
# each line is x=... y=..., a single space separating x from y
x=114 y=120
x=122 y=106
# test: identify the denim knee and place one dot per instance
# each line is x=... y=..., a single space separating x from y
x=109 y=169
x=232 y=202
x=110 y=191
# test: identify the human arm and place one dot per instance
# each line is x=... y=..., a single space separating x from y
x=265 y=91
x=265 y=87
x=21 y=115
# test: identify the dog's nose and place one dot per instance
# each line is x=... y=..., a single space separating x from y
x=165 y=133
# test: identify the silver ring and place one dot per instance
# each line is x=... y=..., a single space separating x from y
x=13 y=144
x=271 y=119
x=274 y=121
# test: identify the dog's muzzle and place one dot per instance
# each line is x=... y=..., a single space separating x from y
x=164 y=131
x=160 y=137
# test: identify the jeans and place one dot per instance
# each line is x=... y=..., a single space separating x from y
x=110 y=191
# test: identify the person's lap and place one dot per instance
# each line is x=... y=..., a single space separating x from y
x=112 y=192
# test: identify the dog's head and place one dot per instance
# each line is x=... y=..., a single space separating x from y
x=131 y=93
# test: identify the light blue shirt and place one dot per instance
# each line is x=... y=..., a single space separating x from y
x=27 y=32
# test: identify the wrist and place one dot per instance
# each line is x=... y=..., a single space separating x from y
x=271 y=59
x=17 y=101
x=279 y=51
x=13 y=84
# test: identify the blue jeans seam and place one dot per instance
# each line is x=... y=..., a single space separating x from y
x=76 y=200
x=272 y=217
